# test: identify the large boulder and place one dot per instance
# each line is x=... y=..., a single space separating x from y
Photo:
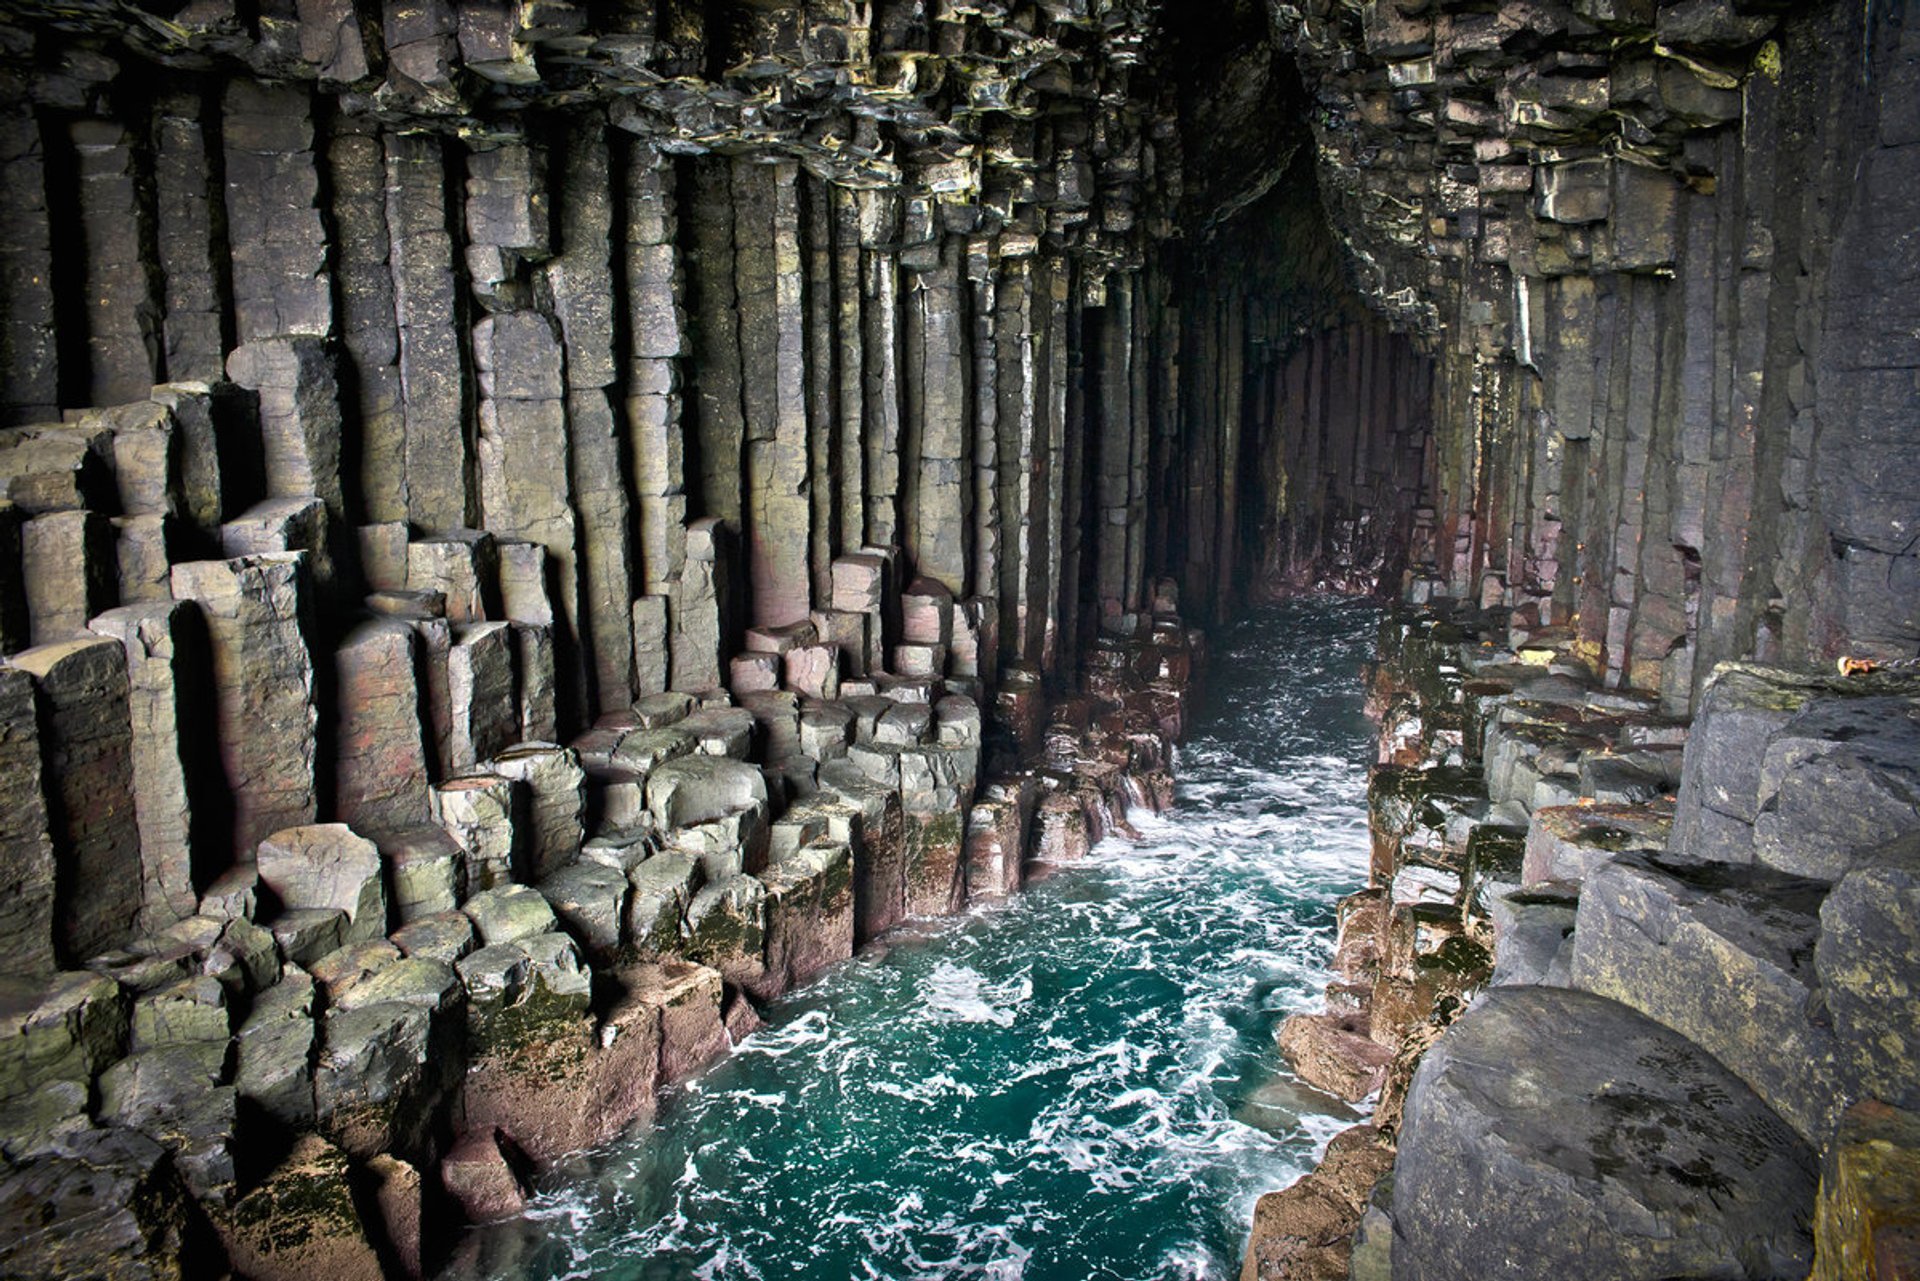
x=1335 y=1052
x=1722 y=954
x=1867 y=959
x=1554 y=1133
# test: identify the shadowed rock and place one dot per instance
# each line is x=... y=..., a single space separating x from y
x=1552 y=1132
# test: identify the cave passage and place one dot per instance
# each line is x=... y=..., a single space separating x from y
x=1078 y=1084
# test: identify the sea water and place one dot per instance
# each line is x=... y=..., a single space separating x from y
x=1081 y=1083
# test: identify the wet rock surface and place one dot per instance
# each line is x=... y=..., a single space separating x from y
x=1717 y=964
x=1609 y=1145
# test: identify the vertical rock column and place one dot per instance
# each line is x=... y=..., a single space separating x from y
x=657 y=342
x=719 y=422
x=87 y=760
x=263 y=678
x=770 y=284
x=29 y=356
x=1047 y=586
x=432 y=373
x=1113 y=435
x=584 y=302
x=70 y=571
x=189 y=253
x=299 y=416
x=279 y=246
x=357 y=173
x=882 y=378
x=984 y=533
x=1020 y=450
x=380 y=771
x=821 y=364
x=850 y=494
x=525 y=488
x=700 y=621
x=938 y=423
x=123 y=312
x=163 y=676
x=26 y=850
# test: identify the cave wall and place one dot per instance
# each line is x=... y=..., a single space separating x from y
x=1662 y=256
x=527 y=530
x=830 y=275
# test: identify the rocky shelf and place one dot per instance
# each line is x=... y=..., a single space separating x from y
x=1635 y=996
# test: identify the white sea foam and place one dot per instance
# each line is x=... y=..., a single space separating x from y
x=1049 y=1090
x=958 y=994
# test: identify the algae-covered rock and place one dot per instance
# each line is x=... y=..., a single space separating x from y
x=1867 y=957
x=380 y=1074
x=43 y=1119
x=109 y=1204
x=66 y=1027
x=1868 y=1220
x=1556 y=1133
x=935 y=862
x=809 y=914
x=663 y=888
x=508 y=914
x=302 y=1222
x=543 y=1073
x=727 y=929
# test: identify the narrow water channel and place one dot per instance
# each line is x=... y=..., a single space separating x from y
x=1080 y=1084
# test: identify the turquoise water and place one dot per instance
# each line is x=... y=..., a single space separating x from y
x=1080 y=1084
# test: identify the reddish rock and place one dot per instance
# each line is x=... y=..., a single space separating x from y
x=1334 y=1052
x=478 y=1176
